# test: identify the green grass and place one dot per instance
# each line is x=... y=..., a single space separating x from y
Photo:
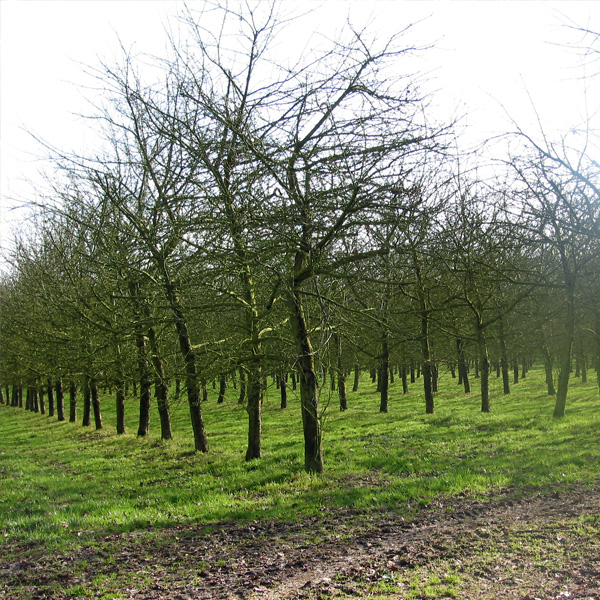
x=60 y=483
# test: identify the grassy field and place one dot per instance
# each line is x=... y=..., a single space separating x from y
x=61 y=483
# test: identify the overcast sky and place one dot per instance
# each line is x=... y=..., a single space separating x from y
x=491 y=57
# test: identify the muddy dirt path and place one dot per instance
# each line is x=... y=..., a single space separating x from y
x=542 y=545
x=527 y=545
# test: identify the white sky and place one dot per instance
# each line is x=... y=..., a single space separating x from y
x=489 y=55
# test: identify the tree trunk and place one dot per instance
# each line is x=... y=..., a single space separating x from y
x=356 y=378
x=242 y=396
x=72 y=402
x=581 y=361
x=191 y=380
x=96 y=403
x=222 y=389
x=384 y=369
x=463 y=370
x=341 y=375
x=484 y=369
x=427 y=387
x=309 y=391
x=342 y=390
x=42 y=401
x=283 y=390
x=60 y=400
x=548 y=370
x=32 y=402
x=503 y=358
x=145 y=383
x=404 y=376
x=120 y=389
x=254 y=393
x=161 y=388
x=427 y=366
x=87 y=403
x=254 y=385
x=50 y=398
x=565 y=354
x=120 y=405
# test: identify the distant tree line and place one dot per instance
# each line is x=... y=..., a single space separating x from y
x=247 y=218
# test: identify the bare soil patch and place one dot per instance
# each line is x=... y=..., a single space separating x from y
x=516 y=544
